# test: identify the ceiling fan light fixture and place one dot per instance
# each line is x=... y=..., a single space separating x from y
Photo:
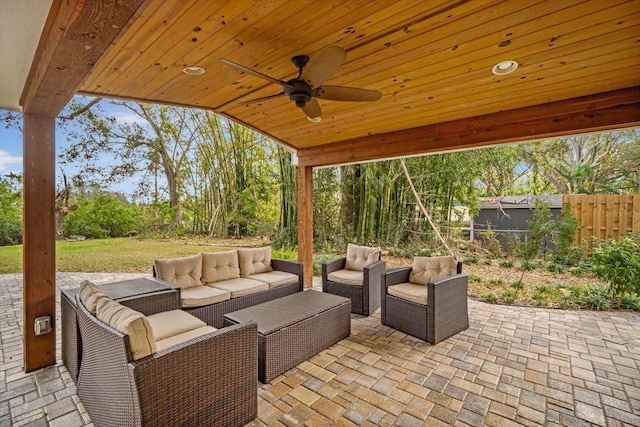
x=314 y=119
x=504 y=67
x=193 y=71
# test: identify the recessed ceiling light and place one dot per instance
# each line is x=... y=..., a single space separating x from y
x=314 y=119
x=193 y=71
x=504 y=67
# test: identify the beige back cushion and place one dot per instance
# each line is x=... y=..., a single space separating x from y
x=429 y=269
x=130 y=322
x=254 y=261
x=185 y=272
x=358 y=257
x=217 y=266
x=90 y=294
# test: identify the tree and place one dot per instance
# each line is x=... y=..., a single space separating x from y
x=586 y=164
x=10 y=210
x=159 y=138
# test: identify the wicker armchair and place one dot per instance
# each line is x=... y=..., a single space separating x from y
x=357 y=277
x=427 y=300
x=207 y=380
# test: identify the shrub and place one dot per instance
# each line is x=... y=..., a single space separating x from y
x=486 y=261
x=106 y=215
x=552 y=267
x=540 y=299
x=566 y=252
x=318 y=261
x=284 y=253
x=510 y=296
x=496 y=281
x=475 y=278
x=490 y=297
x=10 y=211
x=528 y=265
x=518 y=284
x=540 y=227
x=618 y=262
x=471 y=259
x=595 y=298
x=506 y=263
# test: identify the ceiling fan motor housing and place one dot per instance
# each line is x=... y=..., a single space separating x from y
x=299 y=92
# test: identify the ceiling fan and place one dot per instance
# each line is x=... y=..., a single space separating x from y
x=304 y=89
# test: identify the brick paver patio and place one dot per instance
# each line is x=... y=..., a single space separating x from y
x=513 y=366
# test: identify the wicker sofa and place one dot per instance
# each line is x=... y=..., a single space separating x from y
x=216 y=283
x=168 y=368
x=427 y=300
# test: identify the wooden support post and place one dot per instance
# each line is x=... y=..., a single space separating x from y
x=39 y=238
x=305 y=221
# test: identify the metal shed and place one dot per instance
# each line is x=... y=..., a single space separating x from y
x=510 y=215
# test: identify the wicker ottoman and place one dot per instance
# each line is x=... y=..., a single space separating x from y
x=293 y=328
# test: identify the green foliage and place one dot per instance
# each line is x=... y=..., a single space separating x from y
x=284 y=253
x=475 y=278
x=10 y=210
x=552 y=267
x=518 y=284
x=506 y=263
x=540 y=299
x=471 y=259
x=496 y=281
x=510 y=296
x=595 y=298
x=105 y=215
x=540 y=227
x=487 y=261
x=318 y=261
x=618 y=262
x=566 y=252
x=490 y=297
x=528 y=265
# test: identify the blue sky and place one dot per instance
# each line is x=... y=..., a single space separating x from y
x=10 y=150
x=11 y=144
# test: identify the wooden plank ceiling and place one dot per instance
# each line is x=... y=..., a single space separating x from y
x=432 y=60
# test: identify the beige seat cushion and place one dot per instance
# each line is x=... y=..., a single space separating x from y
x=275 y=278
x=358 y=257
x=254 y=261
x=348 y=277
x=428 y=269
x=241 y=286
x=217 y=266
x=167 y=324
x=199 y=296
x=130 y=322
x=410 y=292
x=185 y=336
x=185 y=272
x=90 y=294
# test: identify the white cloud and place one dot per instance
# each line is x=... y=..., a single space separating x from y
x=7 y=162
x=129 y=118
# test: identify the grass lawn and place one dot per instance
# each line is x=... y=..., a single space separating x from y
x=121 y=255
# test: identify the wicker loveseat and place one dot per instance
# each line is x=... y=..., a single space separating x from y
x=168 y=368
x=216 y=283
x=427 y=300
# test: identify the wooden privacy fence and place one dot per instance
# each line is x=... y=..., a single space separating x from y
x=604 y=216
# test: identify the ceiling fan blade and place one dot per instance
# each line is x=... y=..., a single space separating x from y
x=322 y=67
x=258 y=100
x=252 y=72
x=344 y=93
x=312 y=110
